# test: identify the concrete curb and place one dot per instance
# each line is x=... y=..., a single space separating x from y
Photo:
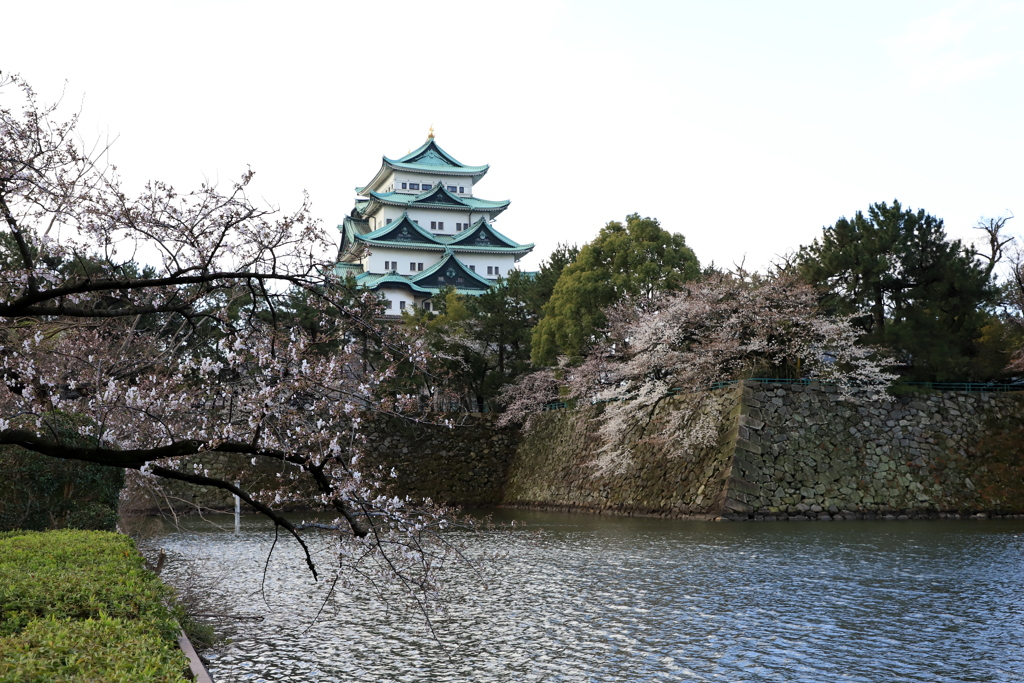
x=199 y=672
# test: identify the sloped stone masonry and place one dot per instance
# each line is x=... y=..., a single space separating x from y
x=554 y=468
x=805 y=452
x=795 y=452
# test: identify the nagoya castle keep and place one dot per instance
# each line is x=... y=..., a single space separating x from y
x=417 y=228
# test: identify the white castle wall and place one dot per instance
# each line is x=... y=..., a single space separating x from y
x=503 y=263
x=424 y=216
x=398 y=296
x=465 y=182
x=374 y=263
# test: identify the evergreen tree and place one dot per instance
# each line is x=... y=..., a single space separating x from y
x=912 y=289
x=486 y=338
x=637 y=258
x=550 y=270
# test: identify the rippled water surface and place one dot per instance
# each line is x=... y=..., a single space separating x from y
x=587 y=598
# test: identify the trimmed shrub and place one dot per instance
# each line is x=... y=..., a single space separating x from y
x=54 y=650
x=80 y=606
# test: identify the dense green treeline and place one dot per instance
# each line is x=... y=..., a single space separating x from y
x=39 y=493
x=929 y=299
x=933 y=304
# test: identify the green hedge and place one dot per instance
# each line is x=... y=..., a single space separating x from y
x=78 y=606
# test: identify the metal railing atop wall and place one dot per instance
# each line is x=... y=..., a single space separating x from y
x=974 y=387
x=977 y=387
x=460 y=407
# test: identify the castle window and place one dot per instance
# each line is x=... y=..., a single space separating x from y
x=490 y=270
x=389 y=303
x=387 y=265
x=473 y=268
x=426 y=305
x=412 y=267
x=440 y=225
x=451 y=188
x=427 y=186
x=420 y=267
x=433 y=225
x=405 y=186
x=414 y=186
x=462 y=190
x=401 y=305
x=388 y=221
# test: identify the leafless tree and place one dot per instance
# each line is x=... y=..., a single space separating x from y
x=997 y=240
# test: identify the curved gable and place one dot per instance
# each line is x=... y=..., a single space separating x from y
x=430 y=154
x=439 y=195
x=482 y=234
x=450 y=272
x=404 y=230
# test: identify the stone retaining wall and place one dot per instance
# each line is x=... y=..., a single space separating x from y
x=806 y=452
x=462 y=465
x=783 y=452
x=554 y=467
x=795 y=452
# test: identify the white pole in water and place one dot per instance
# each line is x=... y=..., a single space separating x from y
x=238 y=508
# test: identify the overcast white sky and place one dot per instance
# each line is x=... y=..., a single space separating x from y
x=744 y=125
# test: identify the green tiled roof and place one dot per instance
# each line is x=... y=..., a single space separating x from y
x=429 y=159
x=445 y=273
x=374 y=281
x=404 y=231
x=350 y=229
x=482 y=235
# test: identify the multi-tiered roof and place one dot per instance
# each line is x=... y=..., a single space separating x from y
x=387 y=229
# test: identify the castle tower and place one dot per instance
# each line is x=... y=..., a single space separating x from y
x=417 y=228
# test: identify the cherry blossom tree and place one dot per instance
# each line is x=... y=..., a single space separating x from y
x=722 y=327
x=192 y=352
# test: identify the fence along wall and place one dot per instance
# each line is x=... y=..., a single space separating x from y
x=797 y=452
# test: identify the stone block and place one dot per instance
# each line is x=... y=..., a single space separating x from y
x=748 y=446
x=751 y=422
x=733 y=505
x=741 y=486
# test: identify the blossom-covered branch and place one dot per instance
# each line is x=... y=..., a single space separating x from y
x=719 y=328
x=138 y=332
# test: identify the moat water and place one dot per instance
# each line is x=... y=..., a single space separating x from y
x=592 y=598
